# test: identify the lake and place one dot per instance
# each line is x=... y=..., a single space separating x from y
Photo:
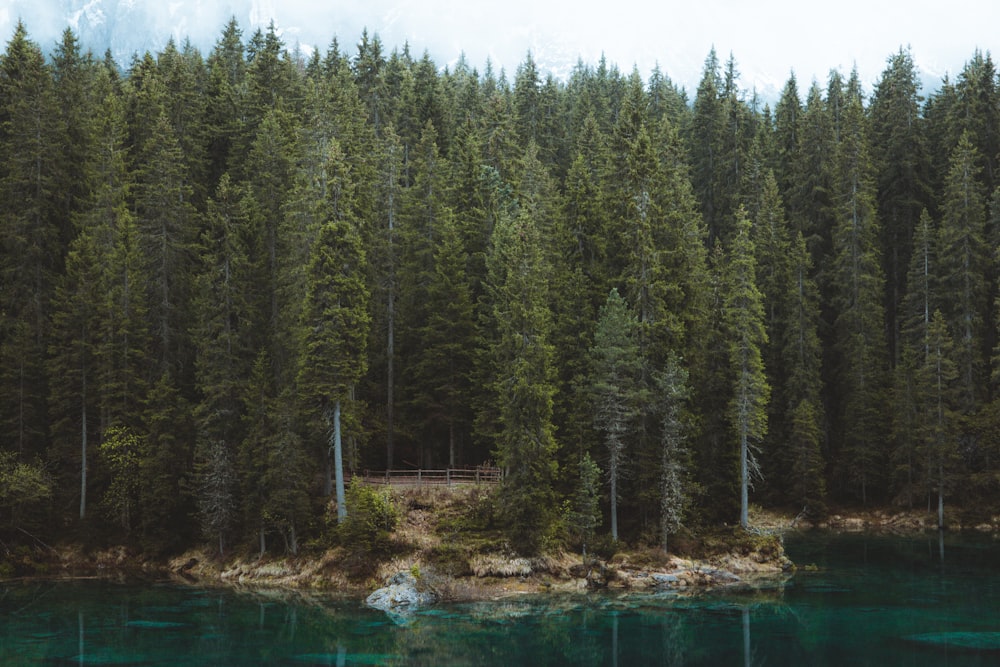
x=856 y=600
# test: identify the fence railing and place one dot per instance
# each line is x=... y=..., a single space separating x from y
x=443 y=477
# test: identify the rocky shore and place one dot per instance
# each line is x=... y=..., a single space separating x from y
x=418 y=576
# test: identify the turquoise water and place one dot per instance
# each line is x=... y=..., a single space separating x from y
x=870 y=601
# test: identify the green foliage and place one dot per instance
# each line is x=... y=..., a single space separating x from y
x=675 y=487
x=523 y=381
x=120 y=450
x=745 y=320
x=585 y=512
x=372 y=516
x=616 y=385
x=24 y=487
x=429 y=250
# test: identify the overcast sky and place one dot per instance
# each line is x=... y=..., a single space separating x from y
x=769 y=38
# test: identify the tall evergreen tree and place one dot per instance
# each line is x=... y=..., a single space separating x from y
x=857 y=301
x=901 y=166
x=745 y=314
x=31 y=239
x=335 y=322
x=801 y=393
x=962 y=270
x=523 y=380
x=164 y=215
x=674 y=483
x=616 y=379
x=942 y=437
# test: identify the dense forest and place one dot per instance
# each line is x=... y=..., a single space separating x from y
x=626 y=297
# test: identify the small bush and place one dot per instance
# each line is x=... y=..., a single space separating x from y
x=371 y=517
x=604 y=547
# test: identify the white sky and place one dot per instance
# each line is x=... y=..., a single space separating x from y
x=769 y=38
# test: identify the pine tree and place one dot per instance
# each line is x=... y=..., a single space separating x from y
x=801 y=357
x=32 y=239
x=448 y=338
x=523 y=380
x=745 y=314
x=226 y=143
x=942 y=437
x=227 y=309
x=164 y=215
x=616 y=378
x=229 y=319
x=707 y=131
x=335 y=323
x=962 y=269
x=585 y=513
x=72 y=358
x=216 y=482
x=384 y=264
x=902 y=166
x=165 y=458
x=918 y=304
x=675 y=486
x=787 y=126
x=860 y=322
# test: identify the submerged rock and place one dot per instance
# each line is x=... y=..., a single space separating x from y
x=401 y=591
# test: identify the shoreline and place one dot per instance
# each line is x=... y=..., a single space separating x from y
x=487 y=576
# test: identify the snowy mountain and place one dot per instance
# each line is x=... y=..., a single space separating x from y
x=502 y=33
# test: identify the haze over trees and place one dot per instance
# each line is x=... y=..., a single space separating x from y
x=227 y=280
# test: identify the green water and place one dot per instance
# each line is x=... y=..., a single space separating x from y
x=870 y=601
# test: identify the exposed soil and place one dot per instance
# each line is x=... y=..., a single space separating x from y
x=445 y=537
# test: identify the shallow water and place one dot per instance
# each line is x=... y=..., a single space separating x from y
x=871 y=600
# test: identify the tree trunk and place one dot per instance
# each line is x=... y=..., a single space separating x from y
x=614 y=501
x=328 y=467
x=940 y=496
x=744 y=483
x=338 y=465
x=451 y=444
x=390 y=380
x=83 y=450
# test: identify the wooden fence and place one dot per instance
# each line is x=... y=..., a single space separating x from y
x=445 y=477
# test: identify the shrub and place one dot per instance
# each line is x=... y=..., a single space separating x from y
x=371 y=517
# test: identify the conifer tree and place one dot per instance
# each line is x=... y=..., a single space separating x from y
x=942 y=437
x=674 y=483
x=860 y=322
x=335 y=322
x=962 y=266
x=801 y=357
x=917 y=306
x=523 y=381
x=226 y=141
x=72 y=358
x=443 y=368
x=707 y=130
x=898 y=145
x=165 y=458
x=226 y=336
x=585 y=513
x=31 y=239
x=616 y=379
x=164 y=216
x=787 y=126
x=745 y=314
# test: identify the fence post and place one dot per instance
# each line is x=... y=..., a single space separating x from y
x=447 y=476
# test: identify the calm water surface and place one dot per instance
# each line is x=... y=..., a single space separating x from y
x=872 y=600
